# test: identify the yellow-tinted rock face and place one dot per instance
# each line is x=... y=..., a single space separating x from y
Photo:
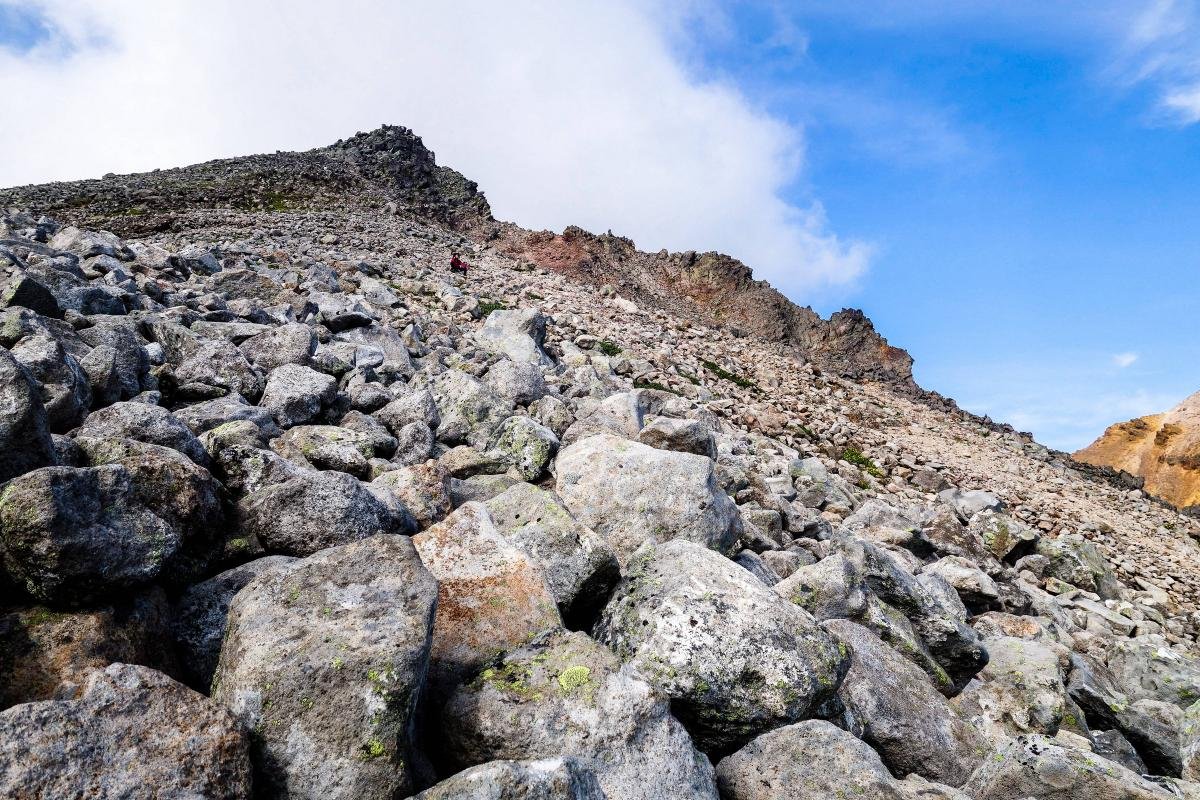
x=1163 y=448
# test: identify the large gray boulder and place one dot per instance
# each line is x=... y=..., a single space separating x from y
x=580 y=567
x=1075 y=560
x=469 y=411
x=143 y=513
x=66 y=390
x=547 y=779
x=24 y=433
x=563 y=694
x=147 y=423
x=129 y=732
x=1148 y=668
x=288 y=344
x=200 y=616
x=517 y=335
x=630 y=493
x=813 y=760
x=526 y=445
x=1021 y=690
x=735 y=658
x=295 y=394
x=316 y=510
x=491 y=594
x=211 y=414
x=892 y=705
x=1036 y=766
x=324 y=662
x=417 y=406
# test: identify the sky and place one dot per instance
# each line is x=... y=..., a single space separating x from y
x=1007 y=188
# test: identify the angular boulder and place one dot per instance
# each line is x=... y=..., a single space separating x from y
x=25 y=443
x=630 y=493
x=324 y=663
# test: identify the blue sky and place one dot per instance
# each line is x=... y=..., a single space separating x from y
x=1008 y=189
x=1036 y=219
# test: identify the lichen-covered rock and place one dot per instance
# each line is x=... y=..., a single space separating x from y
x=735 y=658
x=1035 y=766
x=200 y=617
x=469 y=410
x=1003 y=536
x=210 y=414
x=316 y=510
x=892 y=705
x=547 y=779
x=1189 y=742
x=580 y=567
x=24 y=433
x=147 y=423
x=143 y=513
x=324 y=662
x=130 y=732
x=295 y=394
x=522 y=383
x=813 y=760
x=1021 y=690
x=562 y=694
x=630 y=493
x=327 y=447
x=1075 y=560
x=1148 y=668
x=526 y=445
x=491 y=594
x=42 y=648
x=417 y=406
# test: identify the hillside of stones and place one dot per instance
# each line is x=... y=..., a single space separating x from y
x=288 y=510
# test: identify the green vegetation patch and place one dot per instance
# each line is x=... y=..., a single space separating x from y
x=608 y=348
x=488 y=306
x=860 y=460
x=726 y=375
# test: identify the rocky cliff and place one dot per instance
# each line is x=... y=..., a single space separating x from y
x=288 y=510
x=1163 y=449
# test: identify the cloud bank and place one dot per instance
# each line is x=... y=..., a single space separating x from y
x=575 y=113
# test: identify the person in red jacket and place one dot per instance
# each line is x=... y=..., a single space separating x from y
x=457 y=264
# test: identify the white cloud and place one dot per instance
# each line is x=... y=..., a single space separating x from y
x=1124 y=360
x=576 y=113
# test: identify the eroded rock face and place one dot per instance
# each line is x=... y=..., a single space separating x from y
x=629 y=493
x=324 y=662
x=564 y=694
x=734 y=657
x=129 y=732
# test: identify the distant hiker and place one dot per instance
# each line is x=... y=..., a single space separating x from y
x=457 y=264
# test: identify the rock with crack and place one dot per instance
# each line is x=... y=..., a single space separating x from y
x=563 y=694
x=892 y=705
x=630 y=493
x=735 y=658
x=66 y=389
x=1075 y=560
x=129 y=732
x=491 y=595
x=327 y=447
x=580 y=567
x=293 y=343
x=469 y=410
x=324 y=663
x=421 y=492
x=817 y=761
x=316 y=510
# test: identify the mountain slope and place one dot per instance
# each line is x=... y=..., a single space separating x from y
x=391 y=167
x=1164 y=449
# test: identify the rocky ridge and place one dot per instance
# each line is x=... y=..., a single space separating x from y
x=407 y=533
